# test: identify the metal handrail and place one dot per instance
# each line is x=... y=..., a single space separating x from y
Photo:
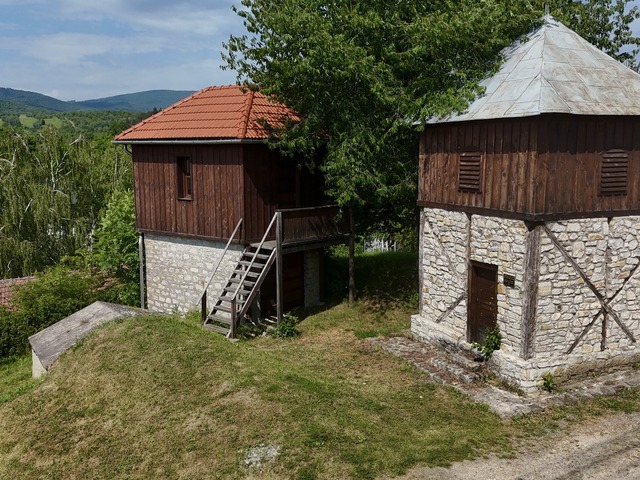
x=204 y=290
x=253 y=259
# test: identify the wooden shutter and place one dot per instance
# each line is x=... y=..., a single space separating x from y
x=470 y=172
x=614 y=170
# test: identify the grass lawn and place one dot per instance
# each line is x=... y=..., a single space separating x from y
x=160 y=397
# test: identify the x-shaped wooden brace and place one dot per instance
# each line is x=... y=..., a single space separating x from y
x=604 y=302
x=454 y=272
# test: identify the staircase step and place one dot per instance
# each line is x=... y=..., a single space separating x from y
x=260 y=256
x=256 y=264
x=224 y=308
x=245 y=273
x=216 y=328
x=242 y=291
x=218 y=319
x=244 y=281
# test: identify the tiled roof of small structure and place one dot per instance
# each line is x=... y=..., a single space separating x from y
x=554 y=70
x=6 y=290
x=214 y=113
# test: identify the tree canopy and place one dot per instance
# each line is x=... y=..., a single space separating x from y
x=362 y=73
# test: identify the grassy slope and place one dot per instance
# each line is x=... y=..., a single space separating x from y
x=158 y=397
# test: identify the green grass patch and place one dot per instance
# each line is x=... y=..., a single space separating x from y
x=27 y=121
x=15 y=378
x=160 y=397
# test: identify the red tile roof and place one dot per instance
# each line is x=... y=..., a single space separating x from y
x=6 y=290
x=228 y=112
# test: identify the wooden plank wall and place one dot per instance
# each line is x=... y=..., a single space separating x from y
x=260 y=191
x=217 y=185
x=537 y=167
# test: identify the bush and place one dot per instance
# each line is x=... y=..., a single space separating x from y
x=14 y=334
x=116 y=247
x=287 y=328
x=54 y=295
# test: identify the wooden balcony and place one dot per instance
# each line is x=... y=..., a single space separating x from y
x=313 y=224
x=310 y=227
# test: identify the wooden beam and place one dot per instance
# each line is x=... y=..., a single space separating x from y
x=530 y=290
x=352 y=249
x=279 y=268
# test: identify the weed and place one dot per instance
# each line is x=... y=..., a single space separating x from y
x=491 y=342
x=549 y=382
x=287 y=328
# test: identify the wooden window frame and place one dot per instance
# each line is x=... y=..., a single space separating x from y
x=184 y=175
x=470 y=172
x=614 y=173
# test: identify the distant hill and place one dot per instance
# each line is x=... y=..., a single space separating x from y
x=137 y=102
x=16 y=100
x=34 y=100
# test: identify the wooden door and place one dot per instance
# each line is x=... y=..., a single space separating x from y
x=483 y=300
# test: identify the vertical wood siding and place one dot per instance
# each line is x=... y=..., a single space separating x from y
x=532 y=167
x=217 y=183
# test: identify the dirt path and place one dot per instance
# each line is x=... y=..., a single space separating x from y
x=604 y=448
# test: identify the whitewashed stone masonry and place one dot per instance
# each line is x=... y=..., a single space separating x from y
x=585 y=268
x=177 y=269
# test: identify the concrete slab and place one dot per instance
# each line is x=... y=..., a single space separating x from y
x=48 y=344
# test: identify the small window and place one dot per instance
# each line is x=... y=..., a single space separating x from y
x=614 y=170
x=184 y=178
x=470 y=172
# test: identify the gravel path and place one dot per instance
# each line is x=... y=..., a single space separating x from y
x=605 y=448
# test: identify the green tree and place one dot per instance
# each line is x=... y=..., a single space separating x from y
x=361 y=73
x=54 y=187
x=116 y=247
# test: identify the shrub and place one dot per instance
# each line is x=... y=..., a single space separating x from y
x=491 y=342
x=54 y=295
x=14 y=334
x=116 y=247
x=287 y=327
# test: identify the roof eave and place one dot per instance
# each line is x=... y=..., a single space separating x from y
x=191 y=141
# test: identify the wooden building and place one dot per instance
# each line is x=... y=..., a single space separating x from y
x=217 y=207
x=531 y=212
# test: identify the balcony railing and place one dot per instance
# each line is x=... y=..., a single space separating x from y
x=312 y=224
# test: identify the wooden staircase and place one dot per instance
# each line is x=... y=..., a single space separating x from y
x=241 y=290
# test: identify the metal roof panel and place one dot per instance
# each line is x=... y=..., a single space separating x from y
x=554 y=70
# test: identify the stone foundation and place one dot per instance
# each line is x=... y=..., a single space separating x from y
x=177 y=269
x=571 y=305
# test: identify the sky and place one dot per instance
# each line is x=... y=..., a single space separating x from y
x=87 y=49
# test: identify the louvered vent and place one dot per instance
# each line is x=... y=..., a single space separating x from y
x=614 y=173
x=470 y=172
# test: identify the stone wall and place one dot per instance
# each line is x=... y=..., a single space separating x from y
x=177 y=269
x=444 y=270
x=583 y=268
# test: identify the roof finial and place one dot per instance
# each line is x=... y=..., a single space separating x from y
x=546 y=10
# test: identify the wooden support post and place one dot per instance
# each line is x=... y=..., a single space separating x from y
x=232 y=327
x=279 y=268
x=203 y=308
x=352 y=249
x=530 y=291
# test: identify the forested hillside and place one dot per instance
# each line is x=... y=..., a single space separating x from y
x=20 y=101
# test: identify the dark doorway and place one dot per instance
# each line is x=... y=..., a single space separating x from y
x=483 y=300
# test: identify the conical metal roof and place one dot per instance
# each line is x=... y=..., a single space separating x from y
x=554 y=70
